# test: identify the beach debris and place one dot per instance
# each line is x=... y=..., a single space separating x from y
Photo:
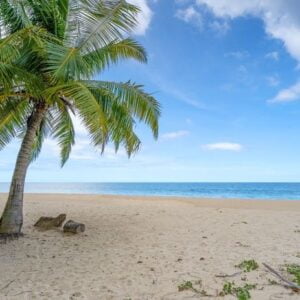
x=294 y=270
x=286 y=282
x=229 y=275
x=242 y=293
x=50 y=222
x=239 y=244
x=248 y=265
x=76 y=295
x=7 y=285
x=189 y=286
x=74 y=227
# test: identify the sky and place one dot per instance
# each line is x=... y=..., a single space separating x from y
x=227 y=74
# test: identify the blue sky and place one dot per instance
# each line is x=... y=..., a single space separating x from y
x=227 y=75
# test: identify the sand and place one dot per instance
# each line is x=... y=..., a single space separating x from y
x=144 y=248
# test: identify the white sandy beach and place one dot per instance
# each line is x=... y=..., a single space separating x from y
x=144 y=248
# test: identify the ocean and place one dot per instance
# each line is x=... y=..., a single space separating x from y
x=274 y=191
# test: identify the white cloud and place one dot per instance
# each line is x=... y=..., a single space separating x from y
x=190 y=15
x=144 y=18
x=174 y=91
x=84 y=151
x=188 y=121
x=273 y=55
x=51 y=146
x=175 y=135
x=287 y=95
x=221 y=27
x=78 y=126
x=233 y=8
x=110 y=153
x=273 y=80
x=226 y=146
x=182 y=96
x=281 y=17
x=237 y=54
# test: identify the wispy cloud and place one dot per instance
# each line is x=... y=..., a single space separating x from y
x=225 y=146
x=273 y=80
x=172 y=90
x=188 y=121
x=281 y=18
x=237 y=54
x=51 y=147
x=289 y=94
x=273 y=55
x=78 y=126
x=219 y=26
x=144 y=17
x=190 y=15
x=184 y=97
x=175 y=134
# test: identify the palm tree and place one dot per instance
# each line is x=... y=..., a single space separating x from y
x=50 y=51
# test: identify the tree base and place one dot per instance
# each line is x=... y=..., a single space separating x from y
x=10 y=236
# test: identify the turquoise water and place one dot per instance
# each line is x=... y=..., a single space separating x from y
x=276 y=191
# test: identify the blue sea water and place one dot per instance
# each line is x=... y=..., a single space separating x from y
x=274 y=191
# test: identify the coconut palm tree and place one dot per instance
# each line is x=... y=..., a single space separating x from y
x=50 y=51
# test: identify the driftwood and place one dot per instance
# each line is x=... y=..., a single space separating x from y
x=49 y=222
x=287 y=283
x=74 y=227
x=7 y=285
x=229 y=275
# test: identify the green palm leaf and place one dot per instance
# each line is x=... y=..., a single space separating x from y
x=41 y=134
x=13 y=116
x=142 y=105
x=63 y=131
x=13 y=16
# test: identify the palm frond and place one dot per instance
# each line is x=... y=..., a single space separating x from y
x=69 y=64
x=140 y=104
x=13 y=16
x=63 y=131
x=42 y=133
x=16 y=80
x=13 y=117
x=99 y=23
x=120 y=122
x=12 y=45
x=64 y=63
x=113 y=53
x=90 y=110
x=50 y=14
x=122 y=128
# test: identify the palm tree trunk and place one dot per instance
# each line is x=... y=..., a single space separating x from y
x=12 y=218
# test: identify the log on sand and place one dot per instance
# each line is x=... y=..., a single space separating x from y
x=49 y=222
x=73 y=227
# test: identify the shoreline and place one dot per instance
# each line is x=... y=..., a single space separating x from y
x=234 y=203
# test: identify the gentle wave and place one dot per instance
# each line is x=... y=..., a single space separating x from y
x=276 y=191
